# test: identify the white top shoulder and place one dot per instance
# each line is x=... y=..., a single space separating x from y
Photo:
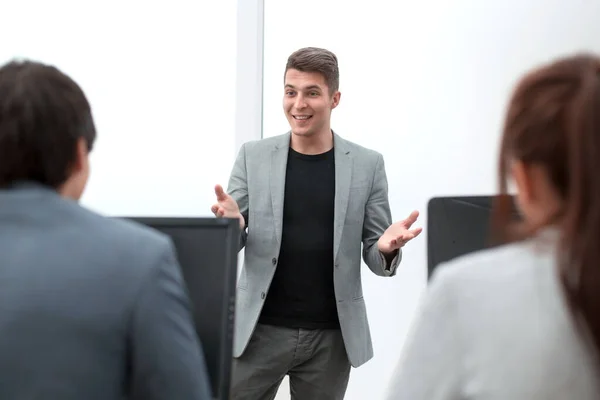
x=494 y=325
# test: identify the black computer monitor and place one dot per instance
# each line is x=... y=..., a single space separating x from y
x=207 y=250
x=458 y=225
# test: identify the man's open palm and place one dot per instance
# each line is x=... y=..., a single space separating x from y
x=226 y=206
x=399 y=233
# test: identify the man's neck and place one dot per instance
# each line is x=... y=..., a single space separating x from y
x=68 y=190
x=315 y=144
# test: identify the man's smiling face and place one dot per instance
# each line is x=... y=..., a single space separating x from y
x=307 y=102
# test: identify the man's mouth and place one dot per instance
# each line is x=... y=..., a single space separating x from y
x=302 y=117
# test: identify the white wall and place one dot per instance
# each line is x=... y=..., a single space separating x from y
x=174 y=95
x=162 y=84
x=425 y=83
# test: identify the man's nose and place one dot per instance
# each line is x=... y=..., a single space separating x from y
x=300 y=103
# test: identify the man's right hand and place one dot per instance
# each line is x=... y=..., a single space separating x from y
x=226 y=207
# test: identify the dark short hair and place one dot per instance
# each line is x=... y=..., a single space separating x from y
x=43 y=114
x=314 y=59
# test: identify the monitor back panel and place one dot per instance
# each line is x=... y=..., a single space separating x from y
x=457 y=226
x=207 y=250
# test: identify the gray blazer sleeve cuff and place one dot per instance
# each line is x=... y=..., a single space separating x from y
x=390 y=268
x=243 y=237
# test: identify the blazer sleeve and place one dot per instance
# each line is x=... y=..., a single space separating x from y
x=431 y=367
x=167 y=360
x=238 y=189
x=378 y=218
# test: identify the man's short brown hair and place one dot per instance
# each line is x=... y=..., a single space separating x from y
x=314 y=59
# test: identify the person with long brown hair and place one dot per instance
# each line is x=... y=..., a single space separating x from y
x=522 y=320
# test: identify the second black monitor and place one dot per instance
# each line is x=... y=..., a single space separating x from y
x=458 y=225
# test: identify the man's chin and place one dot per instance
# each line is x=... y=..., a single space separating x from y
x=302 y=132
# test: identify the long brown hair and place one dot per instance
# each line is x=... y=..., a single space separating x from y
x=553 y=121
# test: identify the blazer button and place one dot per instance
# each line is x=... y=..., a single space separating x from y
x=262 y=295
x=274 y=261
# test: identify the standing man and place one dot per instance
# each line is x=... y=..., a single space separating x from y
x=306 y=201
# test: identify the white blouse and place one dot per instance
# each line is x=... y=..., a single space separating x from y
x=494 y=325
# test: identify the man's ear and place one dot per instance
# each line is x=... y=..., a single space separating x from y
x=335 y=99
x=82 y=154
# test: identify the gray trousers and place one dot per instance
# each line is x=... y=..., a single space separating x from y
x=315 y=360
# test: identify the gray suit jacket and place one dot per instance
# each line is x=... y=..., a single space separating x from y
x=90 y=306
x=362 y=214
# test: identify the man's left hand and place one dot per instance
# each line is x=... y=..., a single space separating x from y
x=398 y=234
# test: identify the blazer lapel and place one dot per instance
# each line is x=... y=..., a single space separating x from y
x=343 y=178
x=279 y=157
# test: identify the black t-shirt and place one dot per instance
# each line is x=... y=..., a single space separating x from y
x=302 y=294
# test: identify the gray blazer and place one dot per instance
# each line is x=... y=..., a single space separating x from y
x=494 y=325
x=90 y=306
x=362 y=214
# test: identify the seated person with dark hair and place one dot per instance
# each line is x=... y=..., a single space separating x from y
x=90 y=307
